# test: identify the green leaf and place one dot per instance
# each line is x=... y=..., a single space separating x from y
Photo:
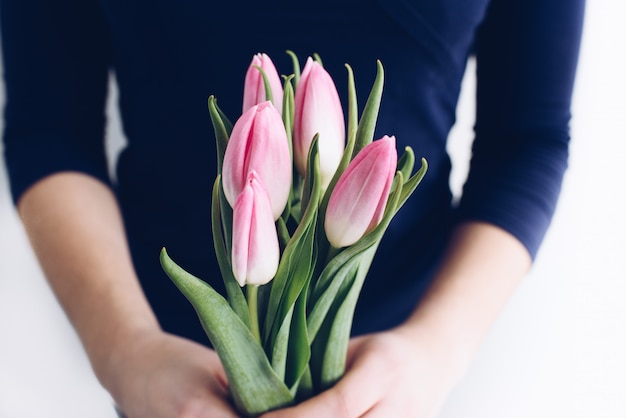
x=288 y=117
x=222 y=128
x=318 y=59
x=284 y=216
x=342 y=279
x=266 y=85
x=291 y=351
x=281 y=346
x=406 y=162
x=411 y=184
x=330 y=347
x=254 y=386
x=330 y=320
x=367 y=124
x=288 y=110
x=228 y=125
x=296 y=264
x=296 y=67
x=305 y=386
x=353 y=107
x=338 y=269
x=299 y=350
x=283 y=234
x=226 y=215
x=313 y=173
x=236 y=297
x=294 y=272
x=335 y=345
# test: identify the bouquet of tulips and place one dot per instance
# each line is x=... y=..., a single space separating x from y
x=298 y=210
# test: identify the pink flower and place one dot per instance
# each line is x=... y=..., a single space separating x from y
x=358 y=201
x=255 y=250
x=318 y=110
x=254 y=88
x=259 y=142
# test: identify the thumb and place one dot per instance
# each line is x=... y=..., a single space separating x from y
x=351 y=397
x=207 y=407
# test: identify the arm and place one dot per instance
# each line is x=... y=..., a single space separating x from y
x=409 y=371
x=77 y=234
x=56 y=71
x=526 y=66
x=481 y=270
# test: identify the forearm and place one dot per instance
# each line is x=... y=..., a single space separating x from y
x=483 y=266
x=77 y=234
x=410 y=370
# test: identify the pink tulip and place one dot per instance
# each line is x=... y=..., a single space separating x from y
x=259 y=142
x=254 y=88
x=318 y=110
x=255 y=248
x=358 y=201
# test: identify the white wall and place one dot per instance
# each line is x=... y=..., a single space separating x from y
x=559 y=348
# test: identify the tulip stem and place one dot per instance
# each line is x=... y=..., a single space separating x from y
x=332 y=252
x=253 y=311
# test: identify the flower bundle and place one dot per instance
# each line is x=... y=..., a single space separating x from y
x=298 y=210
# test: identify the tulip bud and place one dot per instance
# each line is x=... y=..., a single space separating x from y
x=254 y=87
x=259 y=142
x=256 y=253
x=318 y=110
x=357 y=202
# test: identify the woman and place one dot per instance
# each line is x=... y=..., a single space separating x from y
x=421 y=316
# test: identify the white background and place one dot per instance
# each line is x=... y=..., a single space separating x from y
x=559 y=347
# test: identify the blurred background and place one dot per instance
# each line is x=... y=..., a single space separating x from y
x=559 y=347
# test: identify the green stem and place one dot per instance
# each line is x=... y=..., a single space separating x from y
x=253 y=310
x=332 y=252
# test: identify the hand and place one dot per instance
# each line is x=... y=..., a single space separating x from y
x=164 y=376
x=392 y=374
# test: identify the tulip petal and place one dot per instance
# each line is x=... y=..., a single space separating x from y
x=242 y=213
x=259 y=143
x=358 y=200
x=233 y=169
x=254 y=87
x=256 y=253
x=318 y=110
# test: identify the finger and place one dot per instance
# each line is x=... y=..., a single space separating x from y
x=394 y=407
x=390 y=409
x=209 y=407
x=355 y=394
x=328 y=404
x=381 y=410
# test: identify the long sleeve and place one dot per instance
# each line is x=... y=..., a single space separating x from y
x=55 y=71
x=527 y=52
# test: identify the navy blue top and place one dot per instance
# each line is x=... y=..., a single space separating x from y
x=168 y=57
